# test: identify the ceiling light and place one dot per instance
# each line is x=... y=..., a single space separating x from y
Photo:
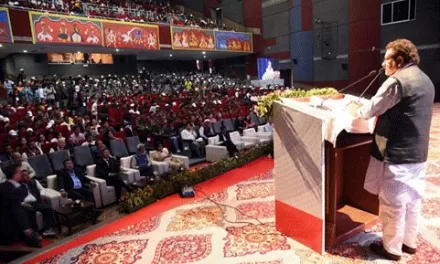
x=117 y=50
x=204 y=52
x=25 y=51
x=204 y=56
x=1 y=45
x=171 y=55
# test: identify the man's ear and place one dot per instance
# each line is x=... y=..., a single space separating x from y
x=399 y=61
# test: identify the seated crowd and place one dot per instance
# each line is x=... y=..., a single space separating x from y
x=134 y=10
x=51 y=115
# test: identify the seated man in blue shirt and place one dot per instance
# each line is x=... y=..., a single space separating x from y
x=74 y=182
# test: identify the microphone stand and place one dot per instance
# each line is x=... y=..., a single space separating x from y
x=347 y=87
x=370 y=84
x=358 y=81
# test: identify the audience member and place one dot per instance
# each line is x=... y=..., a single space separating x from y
x=37 y=201
x=188 y=135
x=72 y=182
x=141 y=162
x=162 y=154
x=14 y=219
x=108 y=169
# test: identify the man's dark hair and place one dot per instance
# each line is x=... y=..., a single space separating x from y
x=406 y=49
x=10 y=170
x=66 y=160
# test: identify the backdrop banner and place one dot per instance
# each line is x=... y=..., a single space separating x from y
x=60 y=29
x=192 y=39
x=233 y=41
x=130 y=35
x=5 y=27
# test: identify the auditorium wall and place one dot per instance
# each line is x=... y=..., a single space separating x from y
x=424 y=31
x=167 y=65
x=37 y=65
x=330 y=34
x=196 y=5
x=233 y=10
x=275 y=16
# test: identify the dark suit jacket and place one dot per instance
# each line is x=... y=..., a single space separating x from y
x=224 y=138
x=102 y=169
x=13 y=217
x=64 y=181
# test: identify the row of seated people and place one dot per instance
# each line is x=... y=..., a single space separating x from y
x=73 y=183
x=195 y=139
x=70 y=180
x=139 y=11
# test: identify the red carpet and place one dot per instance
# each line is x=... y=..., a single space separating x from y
x=209 y=187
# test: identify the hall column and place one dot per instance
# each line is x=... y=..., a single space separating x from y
x=252 y=17
x=301 y=40
x=364 y=41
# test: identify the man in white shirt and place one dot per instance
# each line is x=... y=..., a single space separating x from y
x=77 y=137
x=197 y=144
x=404 y=105
x=268 y=127
x=36 y=201
x=18 y=159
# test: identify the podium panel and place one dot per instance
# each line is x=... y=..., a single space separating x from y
x=299 y=181
x=319 y=175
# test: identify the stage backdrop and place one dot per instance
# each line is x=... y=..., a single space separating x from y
x=5 y=27
x=130 y=35
x=233 y=41
x=48 y=28
x=192 y=39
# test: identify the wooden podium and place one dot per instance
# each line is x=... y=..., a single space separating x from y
x=319 y=175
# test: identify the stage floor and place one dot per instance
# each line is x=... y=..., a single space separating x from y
x=199 y=231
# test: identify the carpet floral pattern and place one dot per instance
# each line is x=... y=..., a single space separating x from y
x=183 y=249
x=126 y=252
x=196 y=218
x=145 y=226
x=200 y=232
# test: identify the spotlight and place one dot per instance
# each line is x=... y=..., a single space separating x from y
x=25 y=51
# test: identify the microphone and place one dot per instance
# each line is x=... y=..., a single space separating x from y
x=371 y=74
x=381 y=70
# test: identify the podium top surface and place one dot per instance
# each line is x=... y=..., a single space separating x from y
x=333 y=116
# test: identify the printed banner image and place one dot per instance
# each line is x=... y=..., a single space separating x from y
x=233 y=41
x=65 y=29
x=5 y=27
x=128 y=35
x=192 y=39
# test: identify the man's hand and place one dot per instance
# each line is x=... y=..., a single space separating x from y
x=26 y=205
x=63 y=194
x=352 y=108
x=93 y=184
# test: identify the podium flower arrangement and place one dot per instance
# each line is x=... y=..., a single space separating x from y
x=145 y=196
x=264 y=105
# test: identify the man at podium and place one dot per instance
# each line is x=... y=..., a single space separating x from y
x=396 y=172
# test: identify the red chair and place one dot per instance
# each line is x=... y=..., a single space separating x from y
x=64 y=130
x=47 y=146
x=100 y=137
x=119 y=134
